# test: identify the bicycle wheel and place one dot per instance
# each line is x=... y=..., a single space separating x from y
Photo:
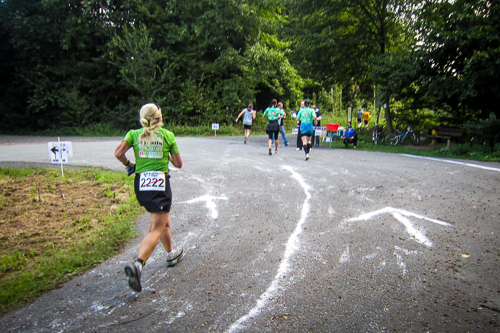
x=414 y=139
x=378 y=138
x=392 y=139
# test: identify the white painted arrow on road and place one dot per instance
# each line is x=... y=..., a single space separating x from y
x=403 y=217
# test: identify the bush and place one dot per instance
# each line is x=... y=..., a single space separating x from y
x=485 y=131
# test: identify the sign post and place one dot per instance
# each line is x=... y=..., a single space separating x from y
x=215 y=127
x=349 y=114
x=59 y=152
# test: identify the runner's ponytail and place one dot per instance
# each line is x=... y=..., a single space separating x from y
x=150 y=114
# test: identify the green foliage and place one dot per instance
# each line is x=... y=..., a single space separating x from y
x=97 y=129
x=485 y=131
x=460 y=151
x=146 y=73
x=55 y=77
x=453 y=70
x=465 y=151
x=14 y=262
x=74 y=64
x=20 y=173
x=339 y=42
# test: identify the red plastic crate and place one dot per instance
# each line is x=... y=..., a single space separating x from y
x=332 y=127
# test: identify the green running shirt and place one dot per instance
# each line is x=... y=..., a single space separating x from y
x=152 y=155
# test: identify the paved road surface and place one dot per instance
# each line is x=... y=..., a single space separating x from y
x=349 y=241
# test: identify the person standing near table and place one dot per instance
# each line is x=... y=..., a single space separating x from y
x=306 y=116
x=153 y=148
x=249 y=115
x=272 y=129
x=315 y=138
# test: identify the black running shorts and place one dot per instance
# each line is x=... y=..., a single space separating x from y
x=154 y=201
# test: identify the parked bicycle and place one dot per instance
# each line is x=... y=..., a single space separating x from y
x=377 y=135
x=395 y=138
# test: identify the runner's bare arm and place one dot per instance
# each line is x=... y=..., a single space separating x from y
x=176 y=160
x=240 y=115
x=120 y=153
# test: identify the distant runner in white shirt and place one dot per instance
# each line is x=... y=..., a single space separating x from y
x=249 y=115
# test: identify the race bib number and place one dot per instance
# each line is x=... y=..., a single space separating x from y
x=152 y=181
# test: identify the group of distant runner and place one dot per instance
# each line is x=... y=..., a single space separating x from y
x=307 y=117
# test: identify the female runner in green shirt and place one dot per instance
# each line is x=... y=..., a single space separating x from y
x=153 y=147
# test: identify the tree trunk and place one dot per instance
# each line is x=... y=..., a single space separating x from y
x=388 y=121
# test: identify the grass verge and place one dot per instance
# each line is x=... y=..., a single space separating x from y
x=457 y=150
x=54 y=228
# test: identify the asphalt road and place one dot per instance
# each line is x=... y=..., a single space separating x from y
x=350 y=241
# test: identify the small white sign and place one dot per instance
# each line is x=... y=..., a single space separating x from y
x=215 y=126
x=317 y=130
x=295 y=130
x=60 y=151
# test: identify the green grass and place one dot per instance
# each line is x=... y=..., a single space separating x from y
x=457 y=150
x=100 y=129
x=23 y=278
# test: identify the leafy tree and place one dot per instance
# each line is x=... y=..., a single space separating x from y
x=55 y=43
x=220 y=54
x=339 y=41
x=453 y=69
x=145 y=72
x=457 y=62
x=78 y=62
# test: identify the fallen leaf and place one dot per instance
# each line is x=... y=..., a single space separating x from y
x=465 y=255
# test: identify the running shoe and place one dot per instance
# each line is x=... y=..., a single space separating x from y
x=245 y=142
x=174 y=258
x=134 y=276
x=276 y=151
x=307 y=157
x=287 y=144
x=298 y=149
x=270 y=151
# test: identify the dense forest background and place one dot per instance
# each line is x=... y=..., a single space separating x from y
x=73 y=63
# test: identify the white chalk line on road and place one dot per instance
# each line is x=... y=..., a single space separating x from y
x=291 y=247
x=209 y=202
x=399 y=214
x=455 y=162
